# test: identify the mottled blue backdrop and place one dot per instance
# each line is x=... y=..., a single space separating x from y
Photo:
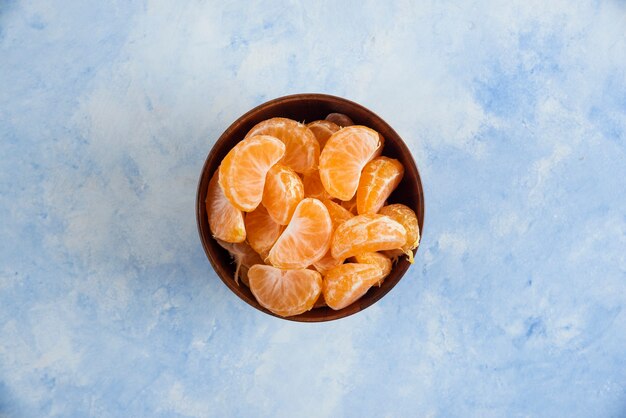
x=515 y=113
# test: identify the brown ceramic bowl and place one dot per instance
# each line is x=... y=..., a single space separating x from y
x=307 y=108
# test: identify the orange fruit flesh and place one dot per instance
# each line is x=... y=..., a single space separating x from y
x=313 y=186
x=302 y=150
x=346 y=283
x=377 y=259
x=225 y=220
x=283 y=191
x=285 y=292
x=378 y=180
x=344 y=156
x=407 y=218
x=338 y=215
x=306 y=239
x=262 y=230
x=367 y=233
x=243 y=170
x=322 y=129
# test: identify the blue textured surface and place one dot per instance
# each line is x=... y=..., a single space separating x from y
x=515 y=113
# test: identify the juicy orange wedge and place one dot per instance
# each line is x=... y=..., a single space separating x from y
x=283 y=191
x=243 y=170
x=225 y=220
x=407 y=218
x=302 y=149
x=262 y=230
x=348 y=282
x=285 y=292
x=306 y=239
x=377 y=259
x=322 y=129
x=367 y=233
x=344 y=156
x=244 y=257
x=313 y=186
x=379 y=178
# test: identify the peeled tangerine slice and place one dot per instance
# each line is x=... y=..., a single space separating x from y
x=348 y=282
x=262 y=230
x=379 y=178
x=322 y=129
x=225 y=220
x=285 y=292
x=367 y=233
x=376 y=259
x=243 y=170
x=407 y=218
x=302 y=149
x=306 y=239
x=244 y=257
x=283 y=191
x=344 y=156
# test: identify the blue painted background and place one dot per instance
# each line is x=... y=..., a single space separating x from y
x=515 y=113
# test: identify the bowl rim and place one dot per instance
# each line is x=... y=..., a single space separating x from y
x=299 y=97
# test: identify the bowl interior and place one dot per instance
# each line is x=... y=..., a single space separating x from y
x=307 y=108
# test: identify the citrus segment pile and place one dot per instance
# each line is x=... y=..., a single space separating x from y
x=309 y=229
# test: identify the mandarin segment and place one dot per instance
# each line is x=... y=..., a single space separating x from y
x=367 y=233
x=243 y=170
x=350 y=205
x=225 y=220
x=339 y=119
x=302 y=149
x=407 y=218
x=322 y=129
x=379 y=179
x=377 y=259
x=346 y=283
x=344 y=156
x=262 y=230
x=306 y=239
x=283 y=191
x=285 y=292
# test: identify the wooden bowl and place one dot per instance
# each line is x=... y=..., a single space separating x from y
x=307 y=108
